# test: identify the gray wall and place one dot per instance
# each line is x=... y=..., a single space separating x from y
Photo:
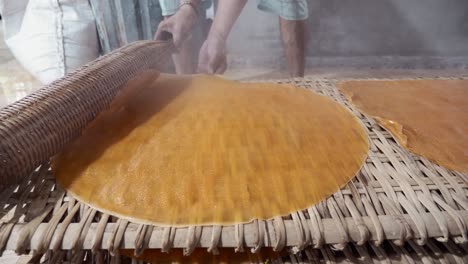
x=347 y=28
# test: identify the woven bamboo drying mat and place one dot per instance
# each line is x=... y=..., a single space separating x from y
x=400 y=207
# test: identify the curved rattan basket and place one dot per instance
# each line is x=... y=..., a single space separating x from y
x=37 y=126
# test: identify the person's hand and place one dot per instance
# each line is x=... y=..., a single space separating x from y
x=180 y=25
x=212 y=57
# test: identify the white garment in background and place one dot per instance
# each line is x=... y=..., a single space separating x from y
x=50 y=37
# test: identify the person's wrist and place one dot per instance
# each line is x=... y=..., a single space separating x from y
x=187 y=14
x=216 y=36
x=186 y=5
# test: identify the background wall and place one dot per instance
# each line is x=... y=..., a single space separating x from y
x=429 y=30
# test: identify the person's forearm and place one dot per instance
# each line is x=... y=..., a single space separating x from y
x=226 y=15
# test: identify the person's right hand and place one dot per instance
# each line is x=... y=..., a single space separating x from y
x=212 y=57
x=180 y=25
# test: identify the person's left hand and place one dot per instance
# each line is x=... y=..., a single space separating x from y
x=212 y=56
x=180 y=25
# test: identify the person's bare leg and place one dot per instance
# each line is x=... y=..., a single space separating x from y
x=294 y=36
x=183 y=58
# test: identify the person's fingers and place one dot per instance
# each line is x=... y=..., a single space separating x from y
x=181 y=33
x=177 y=37
x=205 y=68
x=163 y=28
x=159 y=32
x=214 y=64
x=222 y=68
x=202 y=59
x=211 y=69
x=222 y=65
x=201 y=69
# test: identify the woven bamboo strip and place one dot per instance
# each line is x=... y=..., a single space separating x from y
x=368 y=254
x=331 y=236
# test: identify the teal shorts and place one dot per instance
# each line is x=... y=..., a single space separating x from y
x=286 y=9
x=170 y=7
